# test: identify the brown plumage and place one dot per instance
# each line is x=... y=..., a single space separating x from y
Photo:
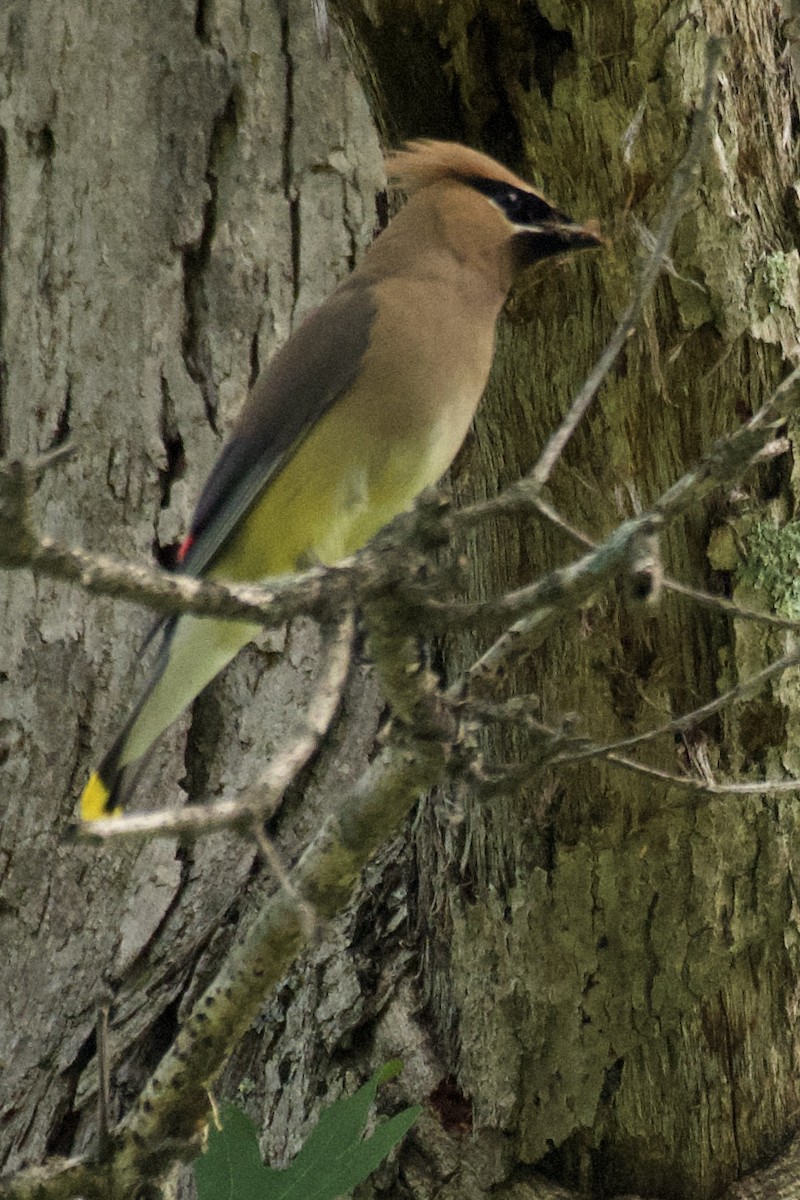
x=367 y=404
x=424 y=162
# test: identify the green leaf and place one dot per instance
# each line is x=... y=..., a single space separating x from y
x=334 y=1160
x=231 y=1168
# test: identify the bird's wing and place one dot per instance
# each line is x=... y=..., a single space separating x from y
x=319 y=363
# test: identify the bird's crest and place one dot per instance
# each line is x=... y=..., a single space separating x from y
x=422 y=163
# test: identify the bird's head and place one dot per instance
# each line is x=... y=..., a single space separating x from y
x=484 y=209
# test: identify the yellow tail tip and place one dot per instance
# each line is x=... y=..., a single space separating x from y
x=94 y=800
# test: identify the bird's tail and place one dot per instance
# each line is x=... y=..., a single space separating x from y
x=193 y=651
x=105 y=787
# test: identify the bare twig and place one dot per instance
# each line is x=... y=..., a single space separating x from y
x=550 y=751
x=580 y=750
x=560 y=522
x=271 y=856
x=732 y=455
x=729 y=608
x=320 y=592
x=741 y=691
x=720 y=604
x=709 y=787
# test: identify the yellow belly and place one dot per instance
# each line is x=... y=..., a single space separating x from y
x=339 y=488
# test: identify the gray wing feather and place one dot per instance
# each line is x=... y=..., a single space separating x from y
x=319 y=363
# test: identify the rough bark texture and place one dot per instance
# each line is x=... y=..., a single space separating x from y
x=609 y=971
x=177 y=185
x=611 y=966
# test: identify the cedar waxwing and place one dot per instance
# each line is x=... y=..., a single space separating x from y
x=366 y=405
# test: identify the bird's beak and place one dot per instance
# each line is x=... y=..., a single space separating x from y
x=578 y=237
x=560 y=235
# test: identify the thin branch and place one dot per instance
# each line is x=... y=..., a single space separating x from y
x=271 y=856
x=322 y=592
x=104 y=1080
x=734 y=454
x=579 y=749
x=695 y=783
x=560 y=522
x=549 y=600
x=720 y=604
x=741 y=691
x=729 y=608
x=397 y=561
x=496 y=780
x=682 y=182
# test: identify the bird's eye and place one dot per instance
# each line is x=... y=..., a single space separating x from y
x=521 y=207
x=514 y=203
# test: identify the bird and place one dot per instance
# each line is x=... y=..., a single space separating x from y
x=365 y=406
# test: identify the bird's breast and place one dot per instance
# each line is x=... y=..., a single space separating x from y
x=393 y=433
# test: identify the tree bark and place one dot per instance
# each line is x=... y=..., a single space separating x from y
x=591 y=980
x=610 y=964
x=177 y=187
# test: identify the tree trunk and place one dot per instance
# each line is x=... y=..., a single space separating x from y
x=177 y=187
x=611 y=963
x=592 y=979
